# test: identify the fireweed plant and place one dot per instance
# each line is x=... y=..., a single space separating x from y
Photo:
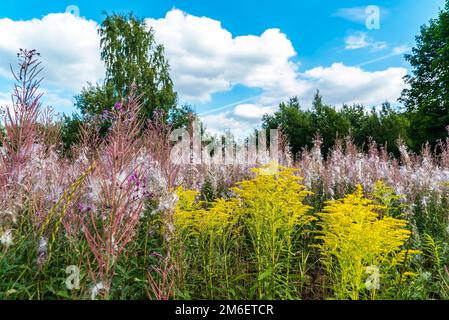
x=132 y=224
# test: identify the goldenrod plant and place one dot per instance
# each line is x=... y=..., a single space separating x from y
x=360 y=250
x=208 y=235
x=263 y=222
x=274 y=214
x=385 y=195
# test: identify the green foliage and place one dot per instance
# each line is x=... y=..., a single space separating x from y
x=385 y=126
x=2 y=134
x=23 y=277
x=329 y=123
x=133 y=61
x=296 y=124
x=180 y=116
x=427 y=99
x=252 y=245
x=70 y=131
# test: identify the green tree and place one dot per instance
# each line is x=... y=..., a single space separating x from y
x=427 y=98
x=295 y=123
x=181 y=117
x=70 y=130
x=328 y=122
x=132 y=59
x=384 y=127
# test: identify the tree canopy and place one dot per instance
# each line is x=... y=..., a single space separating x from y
x=385 y=126
x=132 y=58
x=427 y=98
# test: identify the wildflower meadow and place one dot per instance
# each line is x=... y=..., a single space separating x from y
x=122 y=217
x=133 y=199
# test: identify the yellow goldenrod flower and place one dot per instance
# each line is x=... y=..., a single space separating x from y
x=355 y=238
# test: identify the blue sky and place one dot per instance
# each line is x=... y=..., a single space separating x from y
x=240 y=57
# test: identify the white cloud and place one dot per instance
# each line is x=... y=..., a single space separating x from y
x=251 y=111
x=361 y=40
x=218 y=124
x=69 y=48
x=54 y=99
x=397 y=51
x=357 y=14
x=205 y=58
x=341 y=84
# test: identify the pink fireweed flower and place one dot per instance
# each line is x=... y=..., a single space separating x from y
x=118 y=106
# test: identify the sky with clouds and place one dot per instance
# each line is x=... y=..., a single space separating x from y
x=233 y=61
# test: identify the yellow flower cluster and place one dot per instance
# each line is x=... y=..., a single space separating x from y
x=275 y=197
x=208 y=231
x=274 y=215
x=193 y=216
x=269 y=209
x=386 y=196
x=354 y=238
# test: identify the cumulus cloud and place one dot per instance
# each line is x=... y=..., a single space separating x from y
x=251 y=111
x=205 y=58
x=218 y=124
x=361 y=40
x=69 y=48
x=339 y=84
x=342 y=84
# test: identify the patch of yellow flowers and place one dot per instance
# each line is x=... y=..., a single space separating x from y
x=355 y=240
x=269 y=216
x=194 y=215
